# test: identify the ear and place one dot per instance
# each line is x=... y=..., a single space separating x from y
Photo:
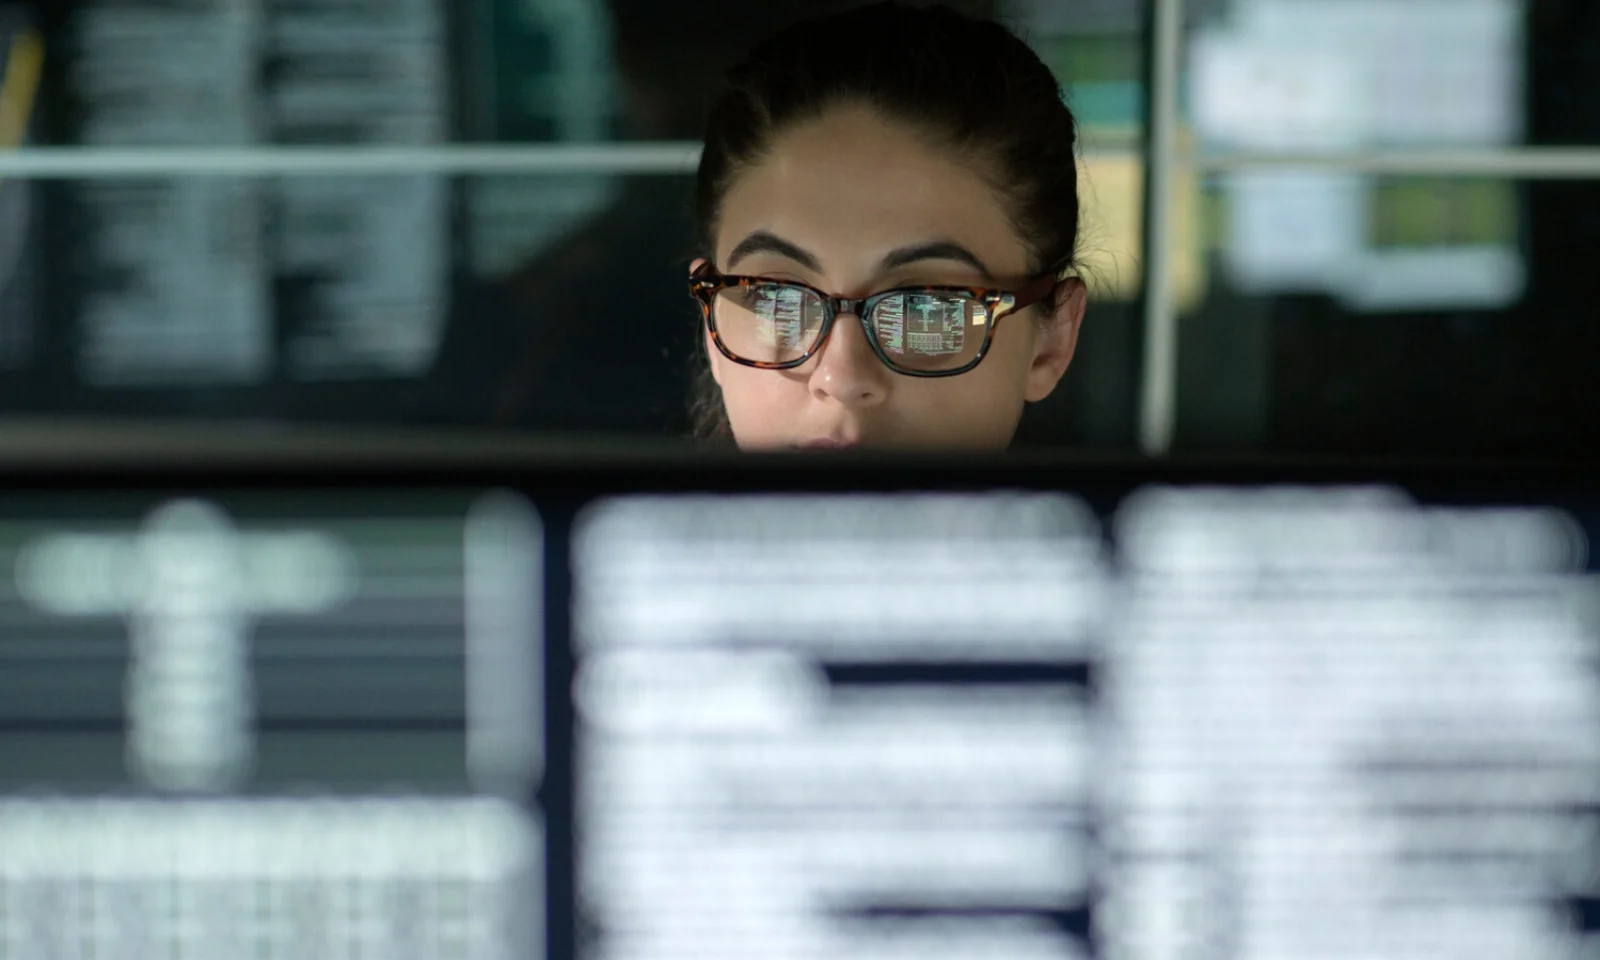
x=697 y=264
x=1056 y=341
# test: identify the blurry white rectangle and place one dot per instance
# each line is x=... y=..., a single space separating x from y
x=396 y=877
x=852 y=726
x=1483 y=277
x=162 y=74
x=1294 y=231
x=918 y=577
x=179 y=290
x=188 y=294
x=1253 y=96
x=1419 y=72
x=378 y=251
x=1369 y=726
x=198 y=308
x=375 y=251
x=502 y=553
x=934 y=757
x=1438 y=71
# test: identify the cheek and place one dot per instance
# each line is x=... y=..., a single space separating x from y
x=977 y=410
x=1012 y=349
x=761 y=404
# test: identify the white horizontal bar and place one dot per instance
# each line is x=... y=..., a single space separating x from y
x=87 y=163
x=1516 y=163
x=99 y=163
x=1529 y=163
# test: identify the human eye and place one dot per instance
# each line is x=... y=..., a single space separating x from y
x=766 y=297
x=929 y=329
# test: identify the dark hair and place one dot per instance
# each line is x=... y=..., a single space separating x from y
x=973 y=86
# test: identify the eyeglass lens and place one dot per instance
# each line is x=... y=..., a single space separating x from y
x=917 y=331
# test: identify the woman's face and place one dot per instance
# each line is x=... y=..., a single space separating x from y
x=854 y=204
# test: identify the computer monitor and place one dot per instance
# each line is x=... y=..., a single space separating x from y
x=649 y=708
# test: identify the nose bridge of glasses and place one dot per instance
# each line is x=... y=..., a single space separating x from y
x=854 y=307
x=849 y=366
x=862 y=335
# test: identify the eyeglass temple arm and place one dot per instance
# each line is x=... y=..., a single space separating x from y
x=1032 y=293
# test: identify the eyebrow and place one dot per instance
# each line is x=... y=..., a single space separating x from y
x=763 y=241
x=937 y=250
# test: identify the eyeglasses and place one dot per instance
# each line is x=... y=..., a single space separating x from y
x=916 y=331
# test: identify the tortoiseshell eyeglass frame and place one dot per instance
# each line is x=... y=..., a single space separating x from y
x=705 y=283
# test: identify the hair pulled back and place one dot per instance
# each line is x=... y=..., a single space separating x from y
x=972 y=87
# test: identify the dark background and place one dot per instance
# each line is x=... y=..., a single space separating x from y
x=587 y=331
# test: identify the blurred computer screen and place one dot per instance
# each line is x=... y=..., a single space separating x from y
x=668 y=709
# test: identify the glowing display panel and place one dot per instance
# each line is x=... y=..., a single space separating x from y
x=1215 y=723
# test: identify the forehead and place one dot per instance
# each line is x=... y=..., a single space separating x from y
x=854 y=184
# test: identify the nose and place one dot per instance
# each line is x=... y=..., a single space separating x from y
x=847 y=369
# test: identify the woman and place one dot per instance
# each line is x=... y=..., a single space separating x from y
x=887 y=222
